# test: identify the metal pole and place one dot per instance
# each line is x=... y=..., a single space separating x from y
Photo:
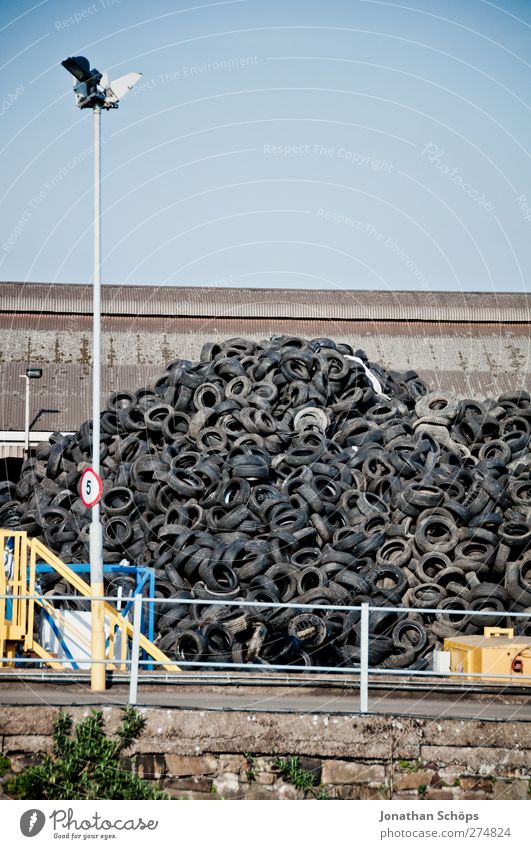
x=97 y=675
x=135 y=650
x=364 y=659
x=27 y=417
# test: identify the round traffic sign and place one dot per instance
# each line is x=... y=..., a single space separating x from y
x=90 y=487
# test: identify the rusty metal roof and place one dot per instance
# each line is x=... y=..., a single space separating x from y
x=76 y=299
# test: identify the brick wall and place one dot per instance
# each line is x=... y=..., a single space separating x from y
x=195 y=754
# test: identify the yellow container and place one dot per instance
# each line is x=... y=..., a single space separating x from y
x=497 y=652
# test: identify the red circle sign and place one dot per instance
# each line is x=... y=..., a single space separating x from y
x=90 y=487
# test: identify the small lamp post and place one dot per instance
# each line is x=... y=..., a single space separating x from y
x=31 y=374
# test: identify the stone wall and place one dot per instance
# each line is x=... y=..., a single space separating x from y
x=195 y=754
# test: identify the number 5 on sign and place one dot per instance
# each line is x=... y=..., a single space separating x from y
x=90 y=487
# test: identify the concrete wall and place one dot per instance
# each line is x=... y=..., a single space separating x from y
x=197 y=754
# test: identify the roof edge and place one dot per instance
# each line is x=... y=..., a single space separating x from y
x=233 y=302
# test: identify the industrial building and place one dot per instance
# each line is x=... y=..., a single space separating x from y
x=477 y=344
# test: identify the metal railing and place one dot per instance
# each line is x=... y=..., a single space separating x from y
x=25 y=559
x=134 y=663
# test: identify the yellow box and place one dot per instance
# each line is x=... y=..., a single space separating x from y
x=497 y=652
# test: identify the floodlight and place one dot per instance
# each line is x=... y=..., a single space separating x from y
x=78 y=66
x=34 y=373
x=93 y=87
x=118 y=88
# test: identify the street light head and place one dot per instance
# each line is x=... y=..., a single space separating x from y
x=117 y=90
x=87 y=91
x=93 y=88
x=34 y=373
x=79 y=67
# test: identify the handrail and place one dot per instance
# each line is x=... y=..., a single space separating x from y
x=37 y=548
x=362 y=669
x=18 y=590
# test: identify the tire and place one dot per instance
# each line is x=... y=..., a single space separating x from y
x=118 y=532
x=436 y=533
x=426 y=595
x=388 y=582
x=118 y=501
x=395 y=551
x=352 y=582
x=189 y=645
x=308 y=629
x=410 y=634
x=284 y=576
x=442 y=404
x=518 y=581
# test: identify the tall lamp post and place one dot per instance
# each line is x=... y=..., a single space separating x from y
x=94 y=91
x=31 y=374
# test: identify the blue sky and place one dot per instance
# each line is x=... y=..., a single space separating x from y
x=297 y=144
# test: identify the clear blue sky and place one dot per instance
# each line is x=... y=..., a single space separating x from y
x=349 y=144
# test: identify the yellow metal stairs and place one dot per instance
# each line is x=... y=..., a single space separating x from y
x=19 y=600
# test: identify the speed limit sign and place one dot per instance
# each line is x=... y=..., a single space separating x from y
x=90 y=487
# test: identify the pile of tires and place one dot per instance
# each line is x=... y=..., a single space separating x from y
x=296 y=471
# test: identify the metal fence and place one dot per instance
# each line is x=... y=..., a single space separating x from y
x=134 y=663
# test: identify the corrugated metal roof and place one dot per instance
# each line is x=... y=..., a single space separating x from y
x=268 y=303
x=61 y=323
x=68 y=323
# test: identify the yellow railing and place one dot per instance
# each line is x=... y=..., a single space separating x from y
x=18 y=600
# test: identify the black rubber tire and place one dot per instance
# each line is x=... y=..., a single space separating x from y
x=410 y=633
x=189 y=645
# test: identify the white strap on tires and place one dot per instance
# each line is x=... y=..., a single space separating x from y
x=375 y=383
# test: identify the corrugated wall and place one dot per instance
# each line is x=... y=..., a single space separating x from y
x=476 y=357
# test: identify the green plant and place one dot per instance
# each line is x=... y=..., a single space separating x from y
x=85 y=764
x=5 y=764
x=250 y=772
x=322 y=792
x=422 y=789
x=8 y=787
x=290 y=769
x=410 y=766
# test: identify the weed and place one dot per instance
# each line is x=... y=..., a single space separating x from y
x=85 y=764
x=5 y=765
x=292 y=772
x=410 y=766
x=8 y=787
x=422 y=789
x=250 y=772
x=322 y=792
